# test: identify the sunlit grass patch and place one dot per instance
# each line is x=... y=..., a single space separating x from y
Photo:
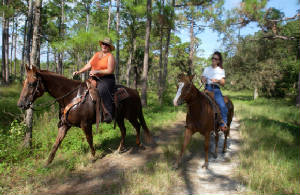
x=270 y=156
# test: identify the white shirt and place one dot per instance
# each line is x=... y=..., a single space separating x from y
x=213 y=73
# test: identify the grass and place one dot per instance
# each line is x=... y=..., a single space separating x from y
x=269 y=159
x=270 y=156
x=22 y=170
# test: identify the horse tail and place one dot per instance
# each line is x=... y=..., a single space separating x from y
x=142 y=121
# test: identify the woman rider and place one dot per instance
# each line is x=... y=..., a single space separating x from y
x=102 y=66
x=214 y=76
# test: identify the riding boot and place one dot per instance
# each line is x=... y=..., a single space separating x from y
x=106 y=114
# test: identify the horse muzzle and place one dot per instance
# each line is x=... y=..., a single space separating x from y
x=177 y=102
x=23 y=105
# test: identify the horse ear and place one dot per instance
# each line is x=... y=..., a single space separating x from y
x=27 y=67
x=34 y=69
x=180 y=76
x=191 y=77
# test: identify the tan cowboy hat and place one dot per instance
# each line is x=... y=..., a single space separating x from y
x=107 y=41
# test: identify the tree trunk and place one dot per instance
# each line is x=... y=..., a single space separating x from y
x=165 y=67
x=7 y=72
x=48 y=52
x=29 y=31
x=33 y=60
x=298 y=97
x=38 y=55
x=61 y=34
x=108 y=20
x=131 y=56
x=4 y=45
x=128 y=68
x=192 y=48
x=28 y=134
x=160 y=76
x=87 y=9
x=146 y=55
x=135 y=77
x=255 y=94
x=118 y=43
x=15 y=51
x=22 y=69
x=12 y=46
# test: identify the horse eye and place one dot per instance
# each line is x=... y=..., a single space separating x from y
x=31 y=84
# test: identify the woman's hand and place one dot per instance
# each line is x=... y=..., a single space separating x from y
x=221 y=81
x=215 y=80
x=94 y=72
x=203 y=79
x=76 y=73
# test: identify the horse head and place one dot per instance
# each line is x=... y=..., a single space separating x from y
x=185 y=83
x=32 y=88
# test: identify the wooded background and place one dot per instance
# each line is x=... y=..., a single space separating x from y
x=262 y=79
x=148 y=51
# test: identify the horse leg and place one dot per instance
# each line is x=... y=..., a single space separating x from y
x=62 y=131
x=89 y=137
x=225 y=140
x=123 y=134
x=206 y=148
x=187 y=137
x=216 y=145
x=137 y=127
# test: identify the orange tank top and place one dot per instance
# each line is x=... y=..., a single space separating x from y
x=98 y=62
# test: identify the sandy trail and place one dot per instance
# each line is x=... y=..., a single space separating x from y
x=105 y=173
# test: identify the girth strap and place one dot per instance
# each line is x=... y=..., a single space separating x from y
x=80 y=99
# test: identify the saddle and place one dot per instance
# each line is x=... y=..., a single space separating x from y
x=119 y=95
x=217 y=112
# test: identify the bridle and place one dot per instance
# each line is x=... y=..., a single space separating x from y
x=47 y=104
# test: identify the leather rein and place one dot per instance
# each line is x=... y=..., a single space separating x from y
x=51 y=101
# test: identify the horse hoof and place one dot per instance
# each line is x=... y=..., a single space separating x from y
x=215 y=155
x=122 y=150
x=46 y=165
x=149 y=140
x=175 y=166
x=94 y=159
x=205 y=165
x=141 y=147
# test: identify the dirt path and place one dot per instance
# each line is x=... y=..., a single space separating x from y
x=107 y=172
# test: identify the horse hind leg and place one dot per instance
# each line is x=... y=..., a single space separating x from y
x=89 y=137
x=225 y=140
x=216 y=144
x=121 y=125
x=137 y=127
x=62 y=131
x=206 y=148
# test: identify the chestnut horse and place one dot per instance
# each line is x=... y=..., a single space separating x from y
x=83 y=114
x=200 y=115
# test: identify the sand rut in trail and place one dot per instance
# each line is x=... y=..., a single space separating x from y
x=108 y=173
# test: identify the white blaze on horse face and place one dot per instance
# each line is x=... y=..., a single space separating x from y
x=178 y=94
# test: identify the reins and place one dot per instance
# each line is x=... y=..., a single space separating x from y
x=54 y=101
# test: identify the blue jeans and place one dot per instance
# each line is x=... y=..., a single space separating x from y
x=220 y=101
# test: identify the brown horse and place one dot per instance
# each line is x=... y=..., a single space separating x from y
x=83 y=114
x=200 y=115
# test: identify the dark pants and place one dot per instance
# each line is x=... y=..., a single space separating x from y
x=105 y=86
x=220 y=101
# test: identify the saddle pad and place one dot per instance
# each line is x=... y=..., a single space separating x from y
x=121 y=94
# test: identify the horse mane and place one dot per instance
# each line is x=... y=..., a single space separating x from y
x=59 y=77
